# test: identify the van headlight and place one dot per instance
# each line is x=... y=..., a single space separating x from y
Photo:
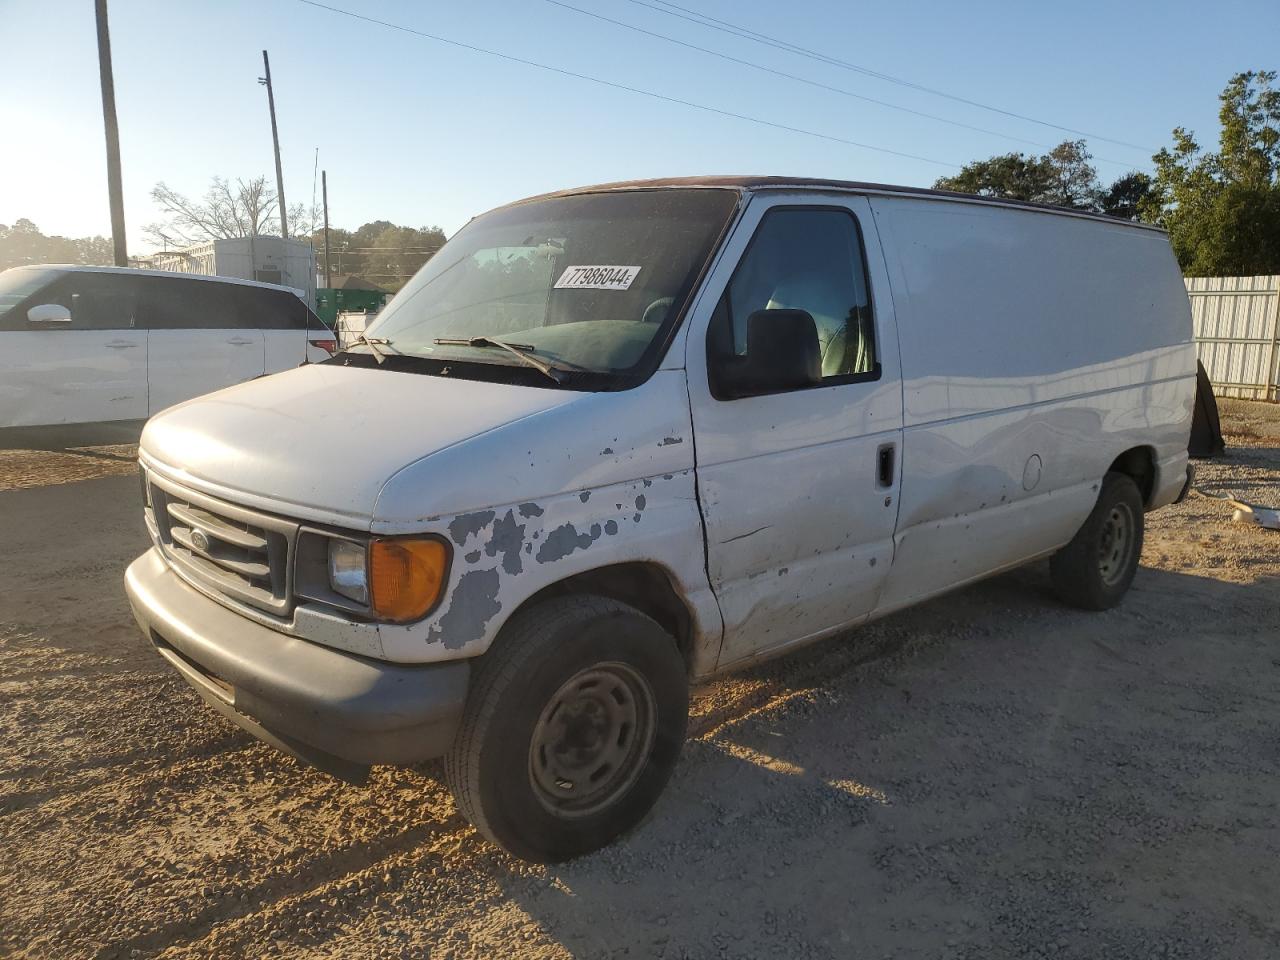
x=348 y=571
x=399 y=579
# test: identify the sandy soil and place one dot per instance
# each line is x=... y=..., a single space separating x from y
x=989 y=775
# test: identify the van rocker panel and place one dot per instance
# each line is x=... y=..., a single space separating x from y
x=315 y=702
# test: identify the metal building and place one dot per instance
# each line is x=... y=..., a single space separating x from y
x=268 y=259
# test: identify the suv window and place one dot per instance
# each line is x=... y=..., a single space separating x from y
x=185 y=304
x=276 y=309
x=181 y=304
x=97 y=301
x=18 y=285
x=807 y=259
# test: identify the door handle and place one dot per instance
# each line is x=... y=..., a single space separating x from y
x=885 y=464
x=240 y=342
x=121 y=345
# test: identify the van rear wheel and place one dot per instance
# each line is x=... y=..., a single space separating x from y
x=573 y=725
x=1095 y=569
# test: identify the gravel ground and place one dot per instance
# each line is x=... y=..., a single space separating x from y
x=989 y=775
x=38 y=468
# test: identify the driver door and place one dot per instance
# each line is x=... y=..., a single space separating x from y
x=799 y=487
x=88 y=365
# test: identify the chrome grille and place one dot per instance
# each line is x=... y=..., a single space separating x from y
x=228 y=549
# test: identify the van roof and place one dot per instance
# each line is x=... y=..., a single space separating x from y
x=751 y=184
x=138 y=271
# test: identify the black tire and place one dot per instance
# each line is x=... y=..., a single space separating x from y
x=565 y=675
x=1095 y=569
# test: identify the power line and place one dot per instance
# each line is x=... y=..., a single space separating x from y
x=724 y=26
x=813 y=83
x=629 y=89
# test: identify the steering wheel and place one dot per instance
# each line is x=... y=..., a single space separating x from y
x=656 y=311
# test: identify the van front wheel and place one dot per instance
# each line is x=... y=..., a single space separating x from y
x=573 y=724
x=1095 y=569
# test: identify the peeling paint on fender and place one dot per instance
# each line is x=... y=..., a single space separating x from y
x=507 y=538
x=511 y=551
x=473 y=603
x=467 y=524
x=563 y=540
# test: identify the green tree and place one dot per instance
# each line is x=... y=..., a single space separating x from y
x=1125 y=197
x=1222 y=210
x=23 y=244
x=1012 y=176
x=1073 y=181
x=397 y=253
x=381 y=251
x=1063 y=176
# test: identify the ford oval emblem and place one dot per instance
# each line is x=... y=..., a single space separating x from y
x=199 y=540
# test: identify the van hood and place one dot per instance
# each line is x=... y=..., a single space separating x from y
x=318 y=442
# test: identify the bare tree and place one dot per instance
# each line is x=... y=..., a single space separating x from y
x=246 y=208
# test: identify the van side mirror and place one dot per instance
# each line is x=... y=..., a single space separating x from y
x=782 y=354
x=49 y=313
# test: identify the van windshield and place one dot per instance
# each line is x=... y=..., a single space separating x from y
x=590 y=285
x=19 y=283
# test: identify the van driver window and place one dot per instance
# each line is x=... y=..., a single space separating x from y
x=811 y=260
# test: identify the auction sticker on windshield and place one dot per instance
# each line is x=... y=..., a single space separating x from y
x=597 y=278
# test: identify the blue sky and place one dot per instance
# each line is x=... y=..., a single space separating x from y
x=423 y=133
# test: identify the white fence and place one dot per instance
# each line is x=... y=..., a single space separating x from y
x=1237 y=329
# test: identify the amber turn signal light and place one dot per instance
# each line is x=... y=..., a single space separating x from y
x=406 y=576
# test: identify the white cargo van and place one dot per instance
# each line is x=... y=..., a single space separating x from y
x=88 y=353
x=614 y=440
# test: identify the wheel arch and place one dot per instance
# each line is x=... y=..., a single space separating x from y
x=1138 y=463
x=645 y=585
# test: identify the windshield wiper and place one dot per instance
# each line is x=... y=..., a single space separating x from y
x=375 y=345
x=522 y=350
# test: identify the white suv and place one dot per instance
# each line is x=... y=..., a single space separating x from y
x=107 y=346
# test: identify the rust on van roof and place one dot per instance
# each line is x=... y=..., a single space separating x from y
x=751 y=183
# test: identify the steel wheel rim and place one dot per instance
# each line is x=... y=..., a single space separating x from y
x=1116 y=544
x=592 y=740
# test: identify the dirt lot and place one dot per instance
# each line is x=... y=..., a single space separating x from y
x=990 y=775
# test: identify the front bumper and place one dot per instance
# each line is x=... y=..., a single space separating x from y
x=335 y=710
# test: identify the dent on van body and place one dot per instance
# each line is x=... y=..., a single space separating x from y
x=502 y=556
x=1035 y=350
x=799 y=524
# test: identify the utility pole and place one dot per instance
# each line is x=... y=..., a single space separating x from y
x=115 y=192
x=324 y=193
x=275 y=139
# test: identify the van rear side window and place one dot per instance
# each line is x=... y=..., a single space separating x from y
x=807 y=259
